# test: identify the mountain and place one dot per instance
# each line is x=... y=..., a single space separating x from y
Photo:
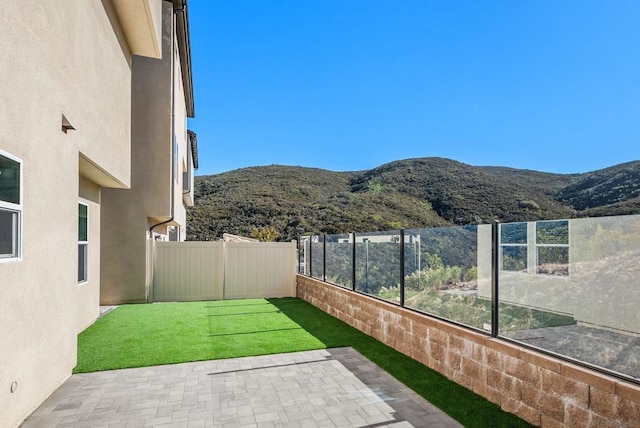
x=412 y=193
x=614 y=187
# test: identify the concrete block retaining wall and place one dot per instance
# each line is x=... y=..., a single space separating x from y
x=543 y=390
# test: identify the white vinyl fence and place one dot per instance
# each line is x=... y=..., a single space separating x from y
x=190 y=271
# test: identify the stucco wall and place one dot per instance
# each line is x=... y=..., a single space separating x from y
x=542 y=390
x=56 y=60
x=123 y=256
x=129 y=213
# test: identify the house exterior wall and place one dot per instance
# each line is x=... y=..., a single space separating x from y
x=159 y=112
x=62 y=63
x=126 y=233
x=53 y=64
x=540 y=389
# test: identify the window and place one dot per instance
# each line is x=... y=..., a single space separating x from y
x=513 y=247
x=10 y=206
x=540 y=247
x=83 y=241
x=175 y=159
x=552 y=247
x=174 y=233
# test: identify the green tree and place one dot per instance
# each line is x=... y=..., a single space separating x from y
x=265 y=233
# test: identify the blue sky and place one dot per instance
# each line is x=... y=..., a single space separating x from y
x=349 y=85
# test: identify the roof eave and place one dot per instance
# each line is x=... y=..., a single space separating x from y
x=184 y=48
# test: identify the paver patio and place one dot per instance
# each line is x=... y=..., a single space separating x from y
x=324 y=388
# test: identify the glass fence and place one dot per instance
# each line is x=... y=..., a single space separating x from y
x=441 y=275
x=567 y=287
x=377 y=264
x=316 y=258
x=339 y=259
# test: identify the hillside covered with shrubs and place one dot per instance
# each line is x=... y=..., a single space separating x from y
x=283 y=202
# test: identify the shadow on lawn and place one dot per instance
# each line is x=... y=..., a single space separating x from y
x=332 y=332
x=273 y=330
x=243 y=313
x=221 y=304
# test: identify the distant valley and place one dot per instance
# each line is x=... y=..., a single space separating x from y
x=283 y=202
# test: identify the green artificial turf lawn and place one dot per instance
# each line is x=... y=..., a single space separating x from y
x=163 y=333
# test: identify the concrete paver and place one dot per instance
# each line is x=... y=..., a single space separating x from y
x=323 y=388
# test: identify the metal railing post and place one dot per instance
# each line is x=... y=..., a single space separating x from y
x=495 y=267
x=298 y=253
x=324 y=257
x=310 y=256
x=402 y=268
x=353 y=261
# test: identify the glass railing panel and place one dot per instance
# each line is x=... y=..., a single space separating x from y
x=303 y=255
x=441 y=275
x=577 y=294
x=316 y=257
x=378 y=264
x=339 y=261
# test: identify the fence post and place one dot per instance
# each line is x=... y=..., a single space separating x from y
x=298 y=254
x=495 y=267
x=150 y=266
x=295 y=248
x=353 y=261
x=310 y=255
x=324 y=257
x=402 y=268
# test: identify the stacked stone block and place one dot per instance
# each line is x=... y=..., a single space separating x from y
x=543 y=390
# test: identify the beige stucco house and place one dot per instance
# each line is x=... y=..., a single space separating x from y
x=163 y=155
x=95 y=160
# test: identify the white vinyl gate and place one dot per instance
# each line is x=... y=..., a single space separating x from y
x=191 y=271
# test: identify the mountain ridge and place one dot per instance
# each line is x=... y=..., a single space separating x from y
x=409 y=193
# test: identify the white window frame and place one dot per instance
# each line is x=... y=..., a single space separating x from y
x=176 y=156
x=502 y=245
x=85 y=246
x=539 y=245
x=15 y=209
x=532 y=248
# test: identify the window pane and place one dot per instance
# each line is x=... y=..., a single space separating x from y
x=553 y=261
x=317 y=257
x=82 y=262
x=552 y=232
x=175 y=158
x=339 y=260
x=8 y=222
x=514 y=259
x=513 y=233
x=441 y=275
x=9 y=180
x=378 y=264
x=82 y=222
